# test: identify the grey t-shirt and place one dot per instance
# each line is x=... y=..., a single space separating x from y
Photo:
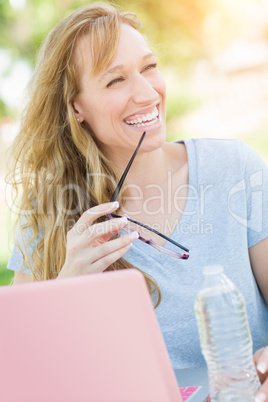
x=226 y=213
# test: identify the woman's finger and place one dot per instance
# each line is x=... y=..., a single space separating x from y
x=107 y=236
x=89 y=216
x=102 y=229
x=112 y=246
x=96 y=234
x=262 y=394
x=93 y=237
x=97 y=259
x=108 y=259
x=105 y=262
x=261 y=362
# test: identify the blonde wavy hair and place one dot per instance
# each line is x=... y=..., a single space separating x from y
x=58 y=170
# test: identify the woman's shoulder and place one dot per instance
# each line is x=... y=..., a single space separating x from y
x=227 y=145
x=231 y=159
x=221 y=152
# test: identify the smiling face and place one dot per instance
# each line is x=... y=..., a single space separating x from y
x=129 y=97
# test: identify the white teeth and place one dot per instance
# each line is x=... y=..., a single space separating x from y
x=155 y=113
x=145 y=120
x=148 y=123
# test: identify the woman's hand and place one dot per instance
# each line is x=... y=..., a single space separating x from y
x=261 y=362
x=88 y=250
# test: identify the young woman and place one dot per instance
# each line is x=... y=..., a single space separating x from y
x=95 y=90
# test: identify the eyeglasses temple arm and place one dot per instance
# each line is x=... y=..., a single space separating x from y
x=121 y=181
x=156 y=232
x=118 y=188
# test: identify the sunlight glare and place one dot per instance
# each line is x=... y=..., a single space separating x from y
x=17 y=4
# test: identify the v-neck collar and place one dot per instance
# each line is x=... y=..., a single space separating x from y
x=189 y=209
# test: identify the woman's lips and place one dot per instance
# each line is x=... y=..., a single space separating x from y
x=143 y=118
x=148 y=126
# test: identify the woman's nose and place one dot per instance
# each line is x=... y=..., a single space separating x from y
x=143 y=91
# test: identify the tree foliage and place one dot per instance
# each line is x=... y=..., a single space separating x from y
x=181 y=31
x=176 y=24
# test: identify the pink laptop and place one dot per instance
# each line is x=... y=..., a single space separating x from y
x=92 y=338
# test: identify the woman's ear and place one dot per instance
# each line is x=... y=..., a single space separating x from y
x=78 y=111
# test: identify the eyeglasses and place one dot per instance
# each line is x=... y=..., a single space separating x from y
x=126 y=229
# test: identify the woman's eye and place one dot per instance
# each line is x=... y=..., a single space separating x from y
x=119 y=79
x=154 y=65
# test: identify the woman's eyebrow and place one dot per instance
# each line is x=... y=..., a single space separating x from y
x=121 y=66
x=111 y=70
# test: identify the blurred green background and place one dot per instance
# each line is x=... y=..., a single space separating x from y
x=213 y=54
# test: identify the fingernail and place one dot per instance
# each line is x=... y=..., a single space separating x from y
x=114 y=204
x=262 y=367
x=261 y=397
x=133 y=236
x=123 y=220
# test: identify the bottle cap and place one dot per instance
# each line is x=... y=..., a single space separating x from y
x=212 y=269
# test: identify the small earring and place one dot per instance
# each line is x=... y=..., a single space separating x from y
x=78 y=120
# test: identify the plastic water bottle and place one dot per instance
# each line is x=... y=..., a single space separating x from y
x=225 y=338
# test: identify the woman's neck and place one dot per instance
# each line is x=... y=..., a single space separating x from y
x=152 y=168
